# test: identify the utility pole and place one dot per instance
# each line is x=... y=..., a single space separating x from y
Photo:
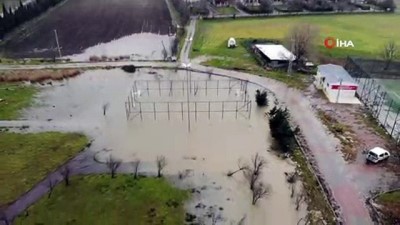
x=187 y=66
x=338 y=94
x=58 y=44
x=289 y=70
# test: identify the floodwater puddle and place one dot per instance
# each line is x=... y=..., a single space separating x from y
x=140 y=46
x=225 y=127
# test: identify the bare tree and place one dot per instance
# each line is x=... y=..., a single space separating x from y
x=259 y=191
x=266 y=6
x=241 y=167
x=183 y=174
x=105 y=107
x=301 y=41
x=161 y=164
x=136 y=165
x=51 y=184
x=300 y=197
x=214 y=215
x=389 y=53
x=253 y=172
x=113 y=165
x=292 y=189
x=242 y=220
x=66 y=172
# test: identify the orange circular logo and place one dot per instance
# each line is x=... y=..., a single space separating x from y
x=330 y=42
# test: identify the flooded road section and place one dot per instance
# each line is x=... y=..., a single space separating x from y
x=222 y=131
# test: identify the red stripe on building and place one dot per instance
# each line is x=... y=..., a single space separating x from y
x=344 y=87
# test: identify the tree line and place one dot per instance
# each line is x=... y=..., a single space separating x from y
x=12 y=18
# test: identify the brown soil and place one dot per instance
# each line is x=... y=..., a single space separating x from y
x=391 y=213
x=350 y=124
x=82 y=24
x=37 y=75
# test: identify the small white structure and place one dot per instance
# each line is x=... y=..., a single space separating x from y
x=337 y=84
x=231 y=43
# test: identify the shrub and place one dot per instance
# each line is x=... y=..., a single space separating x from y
x=261 y=98
x=281 y=130
x=129 y=68
x=387 y=5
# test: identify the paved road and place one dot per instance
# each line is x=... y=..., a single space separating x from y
x=282 y=14
x=187 y=46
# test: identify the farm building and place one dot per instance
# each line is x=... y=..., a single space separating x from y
x=274 y=55
x=337 y=84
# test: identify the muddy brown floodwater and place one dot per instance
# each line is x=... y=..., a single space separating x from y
x=211 y=148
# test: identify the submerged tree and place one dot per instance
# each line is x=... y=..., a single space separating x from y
x=113 y=165
x=66 y=172
x=161 y=162
x=51 y=184
x=261 y=98
x=253 y=172
x=259 y=191
x=136 y=165
x=241 y=167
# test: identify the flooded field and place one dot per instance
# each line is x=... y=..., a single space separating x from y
x=223 y=130
x=81 y=25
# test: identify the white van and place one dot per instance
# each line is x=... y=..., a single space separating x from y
x=377 y=154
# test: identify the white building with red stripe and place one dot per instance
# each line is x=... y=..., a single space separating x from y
x=337 y=84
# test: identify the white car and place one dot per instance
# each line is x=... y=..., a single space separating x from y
x=377 y=154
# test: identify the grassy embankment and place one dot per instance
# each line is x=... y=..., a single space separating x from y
x=13 y=98
x=390 y=206
x=25 y=159
x=315 y=198
x=99 y=199
x=367 y=32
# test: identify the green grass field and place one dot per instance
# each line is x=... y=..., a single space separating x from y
x=25 y=159
x=99 y=199
x=393 y=88
x=367 y=32
x=13 y=98
x=393 y=197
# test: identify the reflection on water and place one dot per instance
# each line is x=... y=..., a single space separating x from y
x=141 y=46
x=208 y=151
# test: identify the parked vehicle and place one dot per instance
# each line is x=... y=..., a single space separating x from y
x=377 y=154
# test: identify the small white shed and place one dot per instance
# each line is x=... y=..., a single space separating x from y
x=231 y=42
x=337 y=84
